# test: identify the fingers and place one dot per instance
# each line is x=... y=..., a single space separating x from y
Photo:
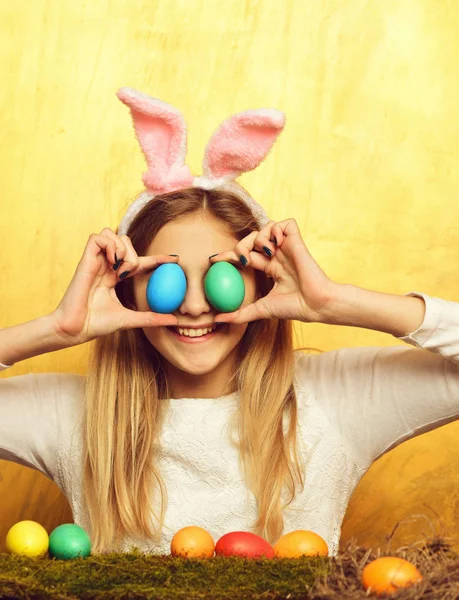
x=255 y=241
x=125 y=255
x=128 y=259
x=276 y=235
x=254 y=250
x=256 y=260
x=273 y=234
x=141 y=264
x=136 y=319
x=260 y=243
x=114 y=250
x=245 y=252
x=95 y=244
x=245 y=314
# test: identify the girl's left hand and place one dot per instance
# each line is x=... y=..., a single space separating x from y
x=301 y=291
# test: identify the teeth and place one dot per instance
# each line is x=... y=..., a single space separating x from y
x=194 y=332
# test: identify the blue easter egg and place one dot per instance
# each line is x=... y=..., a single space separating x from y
x=166 y=288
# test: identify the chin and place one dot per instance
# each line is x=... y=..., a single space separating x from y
x=192 y=366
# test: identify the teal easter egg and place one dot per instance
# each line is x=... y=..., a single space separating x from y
x=69 y=541
x=166 y=288
x=224 y=287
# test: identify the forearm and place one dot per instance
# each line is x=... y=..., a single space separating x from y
x=389 y=313
x=29 y=339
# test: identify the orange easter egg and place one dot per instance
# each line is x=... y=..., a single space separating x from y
x=192 y=542
x=389 y=573
x=300 y=543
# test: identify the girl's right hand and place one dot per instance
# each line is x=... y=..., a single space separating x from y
x=90 y=307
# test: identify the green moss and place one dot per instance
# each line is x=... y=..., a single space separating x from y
x=135 y=575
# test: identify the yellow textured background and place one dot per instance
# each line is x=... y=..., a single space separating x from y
x=367 y=165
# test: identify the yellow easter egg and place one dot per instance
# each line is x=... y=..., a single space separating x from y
x=27 y=538
x=192 y=542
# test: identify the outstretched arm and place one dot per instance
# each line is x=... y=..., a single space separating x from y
x=389 y=313
x=377 y=397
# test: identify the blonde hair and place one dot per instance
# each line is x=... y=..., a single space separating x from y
x=127 y=391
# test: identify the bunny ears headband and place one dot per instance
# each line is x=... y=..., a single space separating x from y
x=237 y=146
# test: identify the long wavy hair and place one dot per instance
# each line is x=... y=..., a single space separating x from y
x=127 y=392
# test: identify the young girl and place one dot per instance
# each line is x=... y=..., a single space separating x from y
x=208 y=419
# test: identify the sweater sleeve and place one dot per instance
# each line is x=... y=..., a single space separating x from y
x=378 y=397
x=37 y=412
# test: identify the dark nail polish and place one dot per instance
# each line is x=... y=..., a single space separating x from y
x=268 y=251
x=243 y=260
x=173 y=254
x=123 y=275
x=117 y=264
x=212 y=255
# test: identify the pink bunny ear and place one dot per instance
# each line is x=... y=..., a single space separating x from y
x=161 y=131
x=242 y=142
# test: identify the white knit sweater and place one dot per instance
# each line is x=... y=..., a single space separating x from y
x=354 y=405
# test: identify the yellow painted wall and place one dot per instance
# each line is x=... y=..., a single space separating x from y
x=367 y=165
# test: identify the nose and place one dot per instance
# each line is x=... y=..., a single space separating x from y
x=195 y=302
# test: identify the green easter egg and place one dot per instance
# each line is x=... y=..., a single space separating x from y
x=69 y=541
x=224 y=287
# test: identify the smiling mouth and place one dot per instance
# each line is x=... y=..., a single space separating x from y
x=193 y=333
